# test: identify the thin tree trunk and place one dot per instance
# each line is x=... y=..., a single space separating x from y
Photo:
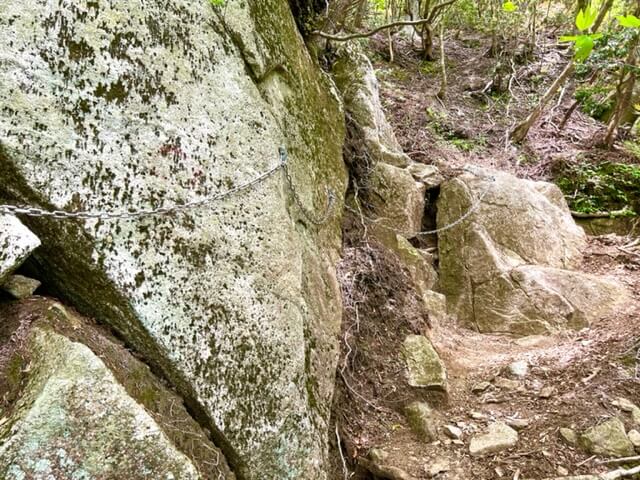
x=427 y=41
x=519 y=133
x=442 y=94
x=521 y=130
x=624 y=93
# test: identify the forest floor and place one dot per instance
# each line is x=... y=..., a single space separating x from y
x=573 y=377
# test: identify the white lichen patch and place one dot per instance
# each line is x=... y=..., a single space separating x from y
x=16 y=244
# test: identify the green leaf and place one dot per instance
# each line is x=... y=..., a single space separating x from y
x=586 y=18
x=568 y=38
x=629 y=21
x=584 y=46
x=217 y=3
x=509 y=6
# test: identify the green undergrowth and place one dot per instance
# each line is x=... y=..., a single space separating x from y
x=608 y=187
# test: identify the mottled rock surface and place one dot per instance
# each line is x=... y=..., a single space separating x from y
x=508 y=268
x=358 y=85
x=498 y=437
x=16 y=244
x=76 y=404
x=424 y=367
x=396 y=200
x=136 y=104
x=19 y=286
x=422 y=420
x=608 y=438
x=394 y=186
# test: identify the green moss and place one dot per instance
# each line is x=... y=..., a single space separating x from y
x=602 y=188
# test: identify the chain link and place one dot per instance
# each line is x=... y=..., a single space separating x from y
x=173 y=209
x=195 y=204
x=331 y=196
x=474 y=207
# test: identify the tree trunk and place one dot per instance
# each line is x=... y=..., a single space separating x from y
x=427 y=42
x=521 y=130
x=442 y=93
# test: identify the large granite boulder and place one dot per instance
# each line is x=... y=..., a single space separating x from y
x=76 y=404
x=16 y=244
x=396 y=201
x=394 y=186
x=357 y=82
x=507 y=267
x=134 y=104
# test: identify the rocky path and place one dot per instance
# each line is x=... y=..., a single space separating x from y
x=554 y=395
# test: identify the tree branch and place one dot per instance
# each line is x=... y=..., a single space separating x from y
x=353 y=36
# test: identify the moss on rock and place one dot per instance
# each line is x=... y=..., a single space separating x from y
x=76 y=382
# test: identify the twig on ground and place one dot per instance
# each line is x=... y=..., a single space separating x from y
x=345 y=470
x=618 y=461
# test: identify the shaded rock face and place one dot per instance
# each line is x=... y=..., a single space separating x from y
x=80 y=406
x=132 y=104
x=507 y=268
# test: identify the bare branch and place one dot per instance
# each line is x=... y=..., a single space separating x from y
x=353 y=36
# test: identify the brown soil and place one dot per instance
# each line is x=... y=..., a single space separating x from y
x=586 y=370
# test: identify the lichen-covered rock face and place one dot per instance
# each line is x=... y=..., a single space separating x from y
x=396 y=199
x=358 y=84
x=74 y=395
x=16 y=244
x=80 y=406
x=505 y=268
x=608 y=438
x=133 y=104
x=424 y=367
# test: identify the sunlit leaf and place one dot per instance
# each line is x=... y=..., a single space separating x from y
x=509 y=6
x=629 y=21
x=586 y=18
x=583 y=46
x=568 y=38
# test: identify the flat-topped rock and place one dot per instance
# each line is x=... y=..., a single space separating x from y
x=498 y=437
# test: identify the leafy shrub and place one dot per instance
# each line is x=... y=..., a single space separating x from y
x=602 y=188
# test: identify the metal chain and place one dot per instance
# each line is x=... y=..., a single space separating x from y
x=172 y=209
x=331 y=197
x=474 y=207
x=179 y=208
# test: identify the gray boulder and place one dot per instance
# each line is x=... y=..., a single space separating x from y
x=19 y=286
x=395 y=185
x=81 y=406
x=396 y=200
x=507 y=268
x=608 y=438
x=422 y=420
x=16 y=244
x=497 y=438
x=357 y=82
x=110 y=106
x=424 y=367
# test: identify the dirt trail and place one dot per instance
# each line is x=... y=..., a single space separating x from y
x=573 y=376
